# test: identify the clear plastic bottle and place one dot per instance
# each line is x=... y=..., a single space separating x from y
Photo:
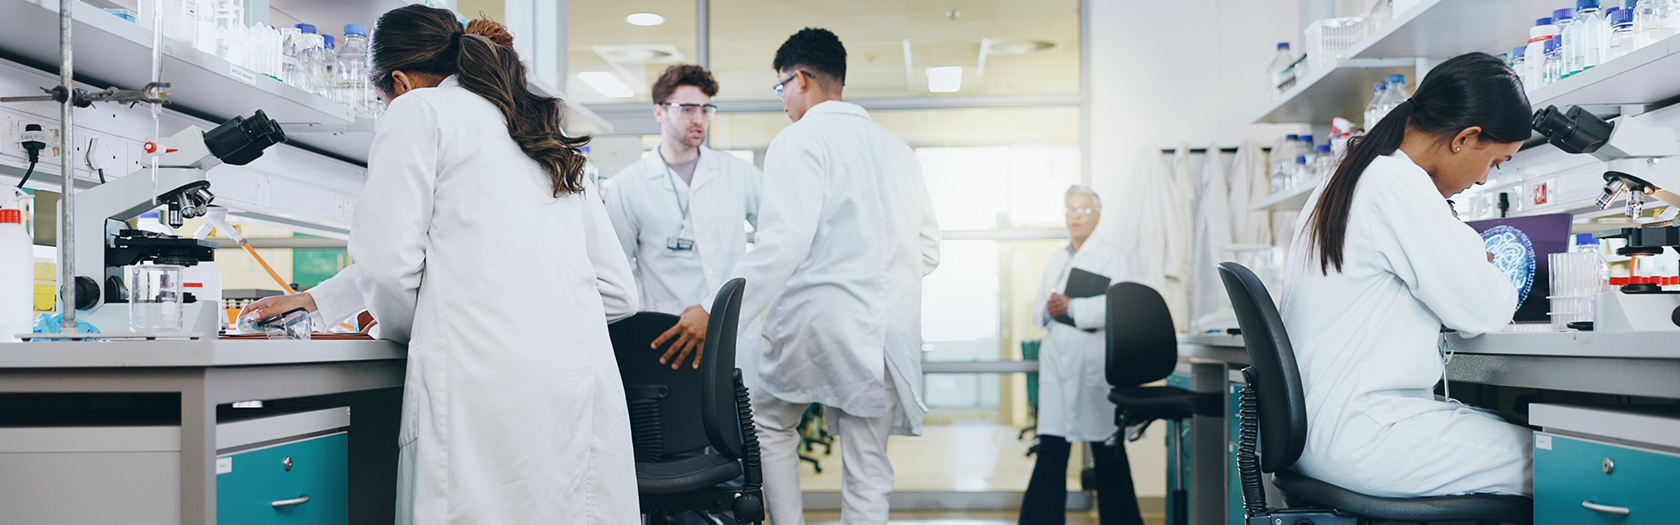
x=1586 y=37
x=1278 y=74
x=291 y=50
x=1565 y=19
x=1324 y=165
x=1534 y=75
x=350 y=77
x=1283 y=155
x=1300 y=172
x=1371 y=116
x=1394 y=93
x=329 y=58
x=1622 y=38
x=230 y=30
x=1554 y=61
x=1655 y=20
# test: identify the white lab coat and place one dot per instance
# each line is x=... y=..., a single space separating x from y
x=1250 y=183
x=1210 y=307
x=337 y=298
x=1179 y=218
x=1072 y=386
x=513 y=410
x=1149 y=230
x=644 y=206
x=723 y=196
x=846 y=232
x=1367 y=338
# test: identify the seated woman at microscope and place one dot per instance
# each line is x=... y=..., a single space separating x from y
x=1378 y=266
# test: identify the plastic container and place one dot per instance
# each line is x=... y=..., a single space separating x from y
x=230 y=30
x=314 y=63
x=156 y=300
x=1586 y=37
x=1328 y=40
x=1278 y=75
x=1622 y=38
x=1324 y=165
x=1534 y=74
x=350 y=74
x=1655 y=20
x=1282 y=161
x=291 y=56
x=1554 y=62
x=1371 y=108
x=1393 y=94
x=17 y=270
x=1300 y=172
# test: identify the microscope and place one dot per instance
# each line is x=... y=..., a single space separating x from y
x=105 y=244
x=1640 y=161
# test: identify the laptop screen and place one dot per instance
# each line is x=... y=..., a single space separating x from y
x=1521 y=248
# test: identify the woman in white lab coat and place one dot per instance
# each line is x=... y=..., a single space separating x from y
x=1379 y=267
x=1073 y=404
x=479 y=244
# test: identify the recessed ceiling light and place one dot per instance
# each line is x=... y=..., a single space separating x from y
x=947 y=79
x=644 y=19
x=606 y=84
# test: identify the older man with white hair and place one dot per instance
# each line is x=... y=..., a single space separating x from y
x=1073 y=401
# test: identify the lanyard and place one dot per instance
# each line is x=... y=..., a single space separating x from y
x=671 y=175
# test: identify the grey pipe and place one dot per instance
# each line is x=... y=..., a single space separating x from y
x=66 y=203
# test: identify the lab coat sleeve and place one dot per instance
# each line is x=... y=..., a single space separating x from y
x=793 y=193
x=1443 y=262
x=754 y=197
x=1091 y=313
x=1041 y=305
x=930 y=236
x=613 y=278
x=625 y=225
x=389 y=234
x=338 y=298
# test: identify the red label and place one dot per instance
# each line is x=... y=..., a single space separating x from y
x=192 y=285
x=1540 y=193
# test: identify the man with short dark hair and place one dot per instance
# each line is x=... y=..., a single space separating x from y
x=846 y=233
x=680 y=213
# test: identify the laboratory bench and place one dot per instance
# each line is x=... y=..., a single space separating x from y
x=1641 y=364
x=335 y=402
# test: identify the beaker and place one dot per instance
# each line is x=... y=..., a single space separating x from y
x=155 y=298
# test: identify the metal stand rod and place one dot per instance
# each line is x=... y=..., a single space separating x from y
x=66 y=203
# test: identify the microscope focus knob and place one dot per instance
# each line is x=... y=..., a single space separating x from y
x=1675 y=317
x=87 y=293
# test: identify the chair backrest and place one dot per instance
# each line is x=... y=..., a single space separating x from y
x=1283 y=403
x=665 y=412
x=1142 y=344
x=717 y=367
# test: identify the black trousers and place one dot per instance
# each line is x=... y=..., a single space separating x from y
x=1045 y=502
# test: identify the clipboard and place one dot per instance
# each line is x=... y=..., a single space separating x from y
x=1082 y=284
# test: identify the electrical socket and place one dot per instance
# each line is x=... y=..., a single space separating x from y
x=346 y=209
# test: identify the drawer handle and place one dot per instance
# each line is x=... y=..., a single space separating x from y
x=1606 y=509
x=305 y=499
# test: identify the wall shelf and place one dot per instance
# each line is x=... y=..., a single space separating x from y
x=1447 y=28
x=1288 y=200
x=1330 y=92
x=1646 y=76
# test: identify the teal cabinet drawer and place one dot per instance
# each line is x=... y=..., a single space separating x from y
x=1570 y=471
x=248 y=483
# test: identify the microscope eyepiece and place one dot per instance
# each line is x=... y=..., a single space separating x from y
x=243 y=139
x=1575 y=131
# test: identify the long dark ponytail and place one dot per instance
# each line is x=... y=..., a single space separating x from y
x=1473 y=89
x=420 y=39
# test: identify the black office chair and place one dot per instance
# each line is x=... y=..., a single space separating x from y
x=1274 y=412
x=1142 y=348
x=696 y=446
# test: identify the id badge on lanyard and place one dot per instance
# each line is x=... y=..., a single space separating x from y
x=682 y=244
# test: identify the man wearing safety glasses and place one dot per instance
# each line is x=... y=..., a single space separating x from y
x=680 y=212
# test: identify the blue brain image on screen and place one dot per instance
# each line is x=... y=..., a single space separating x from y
x=1513 y=255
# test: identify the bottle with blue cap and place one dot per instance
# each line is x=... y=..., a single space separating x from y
x=1534 y=75
x=1622 y=38
x=350 y=73
x=1564 y=19
x=1586 y=37
x=1279 y=75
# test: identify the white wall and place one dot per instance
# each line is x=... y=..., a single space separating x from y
x=1169 y=72
x=1184 y=71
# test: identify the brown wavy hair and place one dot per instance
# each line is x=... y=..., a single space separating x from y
x=683 y=75
x=420 y=39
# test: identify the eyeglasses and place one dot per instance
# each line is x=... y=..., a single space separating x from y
x=1082 y=210
x=780 y=87
x=692 y=110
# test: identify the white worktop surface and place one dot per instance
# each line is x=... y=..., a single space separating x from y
x=200 y=353
x=1628 y=345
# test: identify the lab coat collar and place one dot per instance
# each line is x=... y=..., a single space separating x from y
x=838 y=107
x=704 y=171
x=449 y=81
